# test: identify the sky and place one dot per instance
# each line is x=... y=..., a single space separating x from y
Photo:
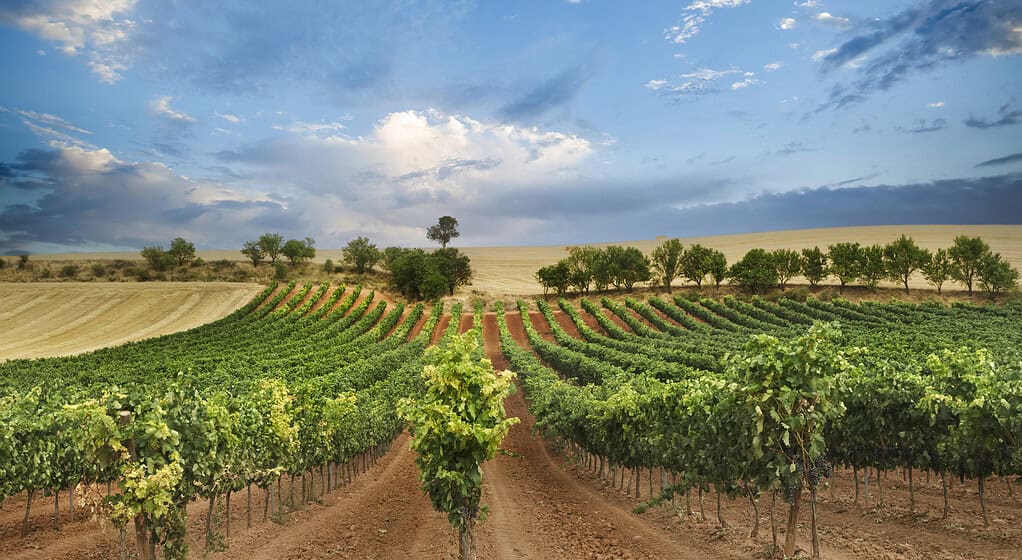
x=126 y=123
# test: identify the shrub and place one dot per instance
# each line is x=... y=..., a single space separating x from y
x=98 y=270
x=279 y=271
x=45 y=272
x=755 y=272
x=68 y=271
x=328 y=266
x=361 y=254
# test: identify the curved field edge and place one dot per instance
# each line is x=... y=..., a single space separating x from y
x=62 y=319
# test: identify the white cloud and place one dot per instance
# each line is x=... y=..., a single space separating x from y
x=820 y=55
x=233 y=119
x=656 y=85
x=935 y=105
x=97 y=28
x=53 y=121
x=697 y=82
x=745 y=83
x=808 y=4
x=161 y=107
x=301 y=127
x=787 y=24
x=831 y=19
x=773 y=66
x=794 y=45
x=695 y=15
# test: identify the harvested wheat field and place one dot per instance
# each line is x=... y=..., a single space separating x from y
x=59 y=319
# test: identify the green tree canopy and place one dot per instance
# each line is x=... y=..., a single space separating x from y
x=444 y=231
x=361 y=254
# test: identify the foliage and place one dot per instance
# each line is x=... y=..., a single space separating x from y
x=788 y=264
x=755 y=272
x=254 y=251
x=454 y=267
x=967 y=255
x=872 y=266
x=626 y=266
x=361 y=254
x=996 y=275
x=272 y=245
x=328 y=266
x=181 y=251
x=814 y=265
x=298 y=251
x=157 y=258
x=457 y=424
x=695 y=264
x=903 y=257
x=845 y=261
x=554 y=276
x=665 y=262
x=938 y=269
x=716 y=264
x=444 y=231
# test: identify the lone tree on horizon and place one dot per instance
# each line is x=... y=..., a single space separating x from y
x=444 y=231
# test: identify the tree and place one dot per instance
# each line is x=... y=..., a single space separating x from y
x=996 y=275
x=554 y=276
x=872 y=268
x=626 y=266
x=788 y=264
x=938 y=268
x=254 y=251
x=966 y=254
x=716 y=265
x=181 y=251
x=665 y=262
x=361 y=254
x=298 y=251
x=693 y=264
x=755 y=272
x=455 y=268
x=845 y=261
x=417 y=275
x=582 y=262
x=444 y=231
x=22 y=261
x=272 y=245
x=903 y=257
x=814 y=265
x=157 y=258
x=457 y=425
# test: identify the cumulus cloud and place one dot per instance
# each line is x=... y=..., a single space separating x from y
x=98 y=29
x=919 y=39
x=695 y=15
x=787 y=24
x=161 y=108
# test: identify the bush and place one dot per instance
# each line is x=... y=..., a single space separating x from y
x=68 y=271
x=827 y=294
x=22 y=262
x=279 y=271
x=142 y=274
x=3 y=264
x=45 y=273
x=328 y=266
x=98 y=270
x=362 y=254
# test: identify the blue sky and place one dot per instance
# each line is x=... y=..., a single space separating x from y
x=130 y=122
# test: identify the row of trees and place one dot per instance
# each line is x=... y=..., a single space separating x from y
x=272 y=246
x=969 y=261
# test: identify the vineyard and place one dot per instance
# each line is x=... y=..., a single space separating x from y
x=797 y=416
